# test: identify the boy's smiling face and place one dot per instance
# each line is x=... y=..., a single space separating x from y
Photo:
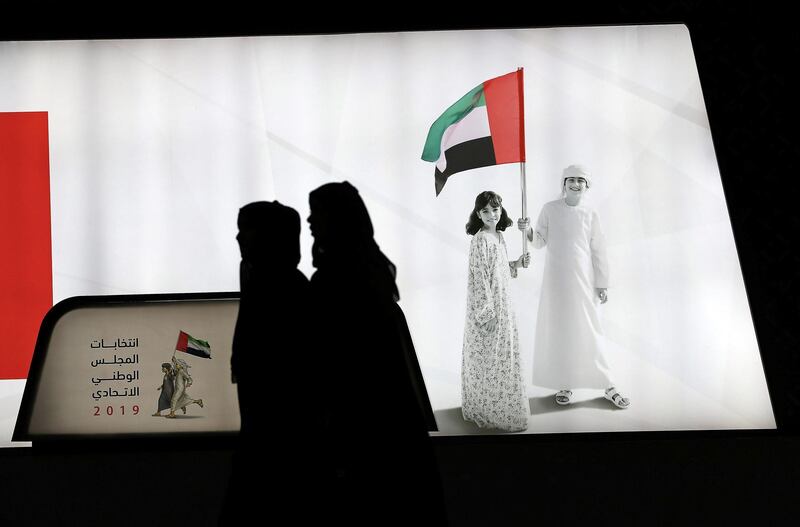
x=575 y=187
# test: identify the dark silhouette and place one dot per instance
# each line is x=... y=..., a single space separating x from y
x=167 y=388
x=268 y=365
x=378 y=459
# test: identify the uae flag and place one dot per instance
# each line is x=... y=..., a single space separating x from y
x=485 y=127
x=193 y=346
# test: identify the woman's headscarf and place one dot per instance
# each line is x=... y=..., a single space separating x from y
x=343 y=238
x=269 y=234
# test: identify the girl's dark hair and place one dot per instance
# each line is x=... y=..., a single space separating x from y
x=487 y=197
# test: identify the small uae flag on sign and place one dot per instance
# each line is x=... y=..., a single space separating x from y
x=193 y=346
x=484 y=127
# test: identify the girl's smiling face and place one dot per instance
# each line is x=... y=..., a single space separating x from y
x=490 y=215
x=575 y=187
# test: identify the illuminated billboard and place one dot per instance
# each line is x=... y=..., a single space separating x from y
x=155 y=144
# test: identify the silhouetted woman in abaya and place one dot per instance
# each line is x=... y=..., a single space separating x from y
x=380 y=464
x=269 y=357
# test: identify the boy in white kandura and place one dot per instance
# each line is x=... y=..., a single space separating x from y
x=568 y=347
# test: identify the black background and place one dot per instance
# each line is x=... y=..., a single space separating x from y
x=746 y=56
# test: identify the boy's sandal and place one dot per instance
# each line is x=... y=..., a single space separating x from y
x=564 y=397
x=616 y=398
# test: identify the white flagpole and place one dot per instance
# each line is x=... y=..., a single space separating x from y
x=522 y=166
x=524 y=205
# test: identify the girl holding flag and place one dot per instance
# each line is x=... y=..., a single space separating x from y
x=492 y=388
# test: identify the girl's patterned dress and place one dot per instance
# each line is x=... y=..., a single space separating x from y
x=492 y=389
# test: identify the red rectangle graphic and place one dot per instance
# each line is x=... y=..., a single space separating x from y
x=26 y=269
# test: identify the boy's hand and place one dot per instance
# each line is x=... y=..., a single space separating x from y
x=524 y=224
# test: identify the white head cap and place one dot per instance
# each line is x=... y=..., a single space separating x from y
x=577 y=171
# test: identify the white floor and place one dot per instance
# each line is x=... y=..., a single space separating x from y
x=659 y=402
